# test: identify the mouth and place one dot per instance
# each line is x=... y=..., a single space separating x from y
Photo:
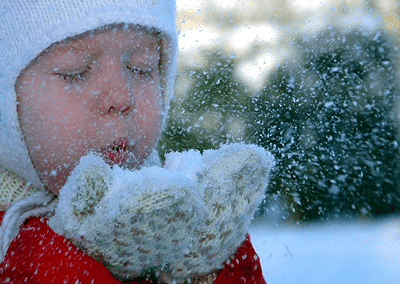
x=118 y=151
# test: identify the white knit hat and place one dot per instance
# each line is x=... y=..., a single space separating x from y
x=29 y=27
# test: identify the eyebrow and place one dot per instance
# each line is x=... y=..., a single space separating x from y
x=76 y=46
x=62 y=61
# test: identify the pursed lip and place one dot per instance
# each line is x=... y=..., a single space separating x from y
x=118 y=151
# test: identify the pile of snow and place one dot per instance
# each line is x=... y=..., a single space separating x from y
x=347 y=252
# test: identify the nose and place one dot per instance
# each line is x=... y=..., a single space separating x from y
x=116 y=96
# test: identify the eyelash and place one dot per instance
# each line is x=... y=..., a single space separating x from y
x=140 y=72
x=74 y=78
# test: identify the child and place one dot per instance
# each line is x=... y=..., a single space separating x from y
x=76 y=77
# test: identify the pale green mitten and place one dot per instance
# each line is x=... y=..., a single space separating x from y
x=231 y=182
x=182 y=221
x=129 y=220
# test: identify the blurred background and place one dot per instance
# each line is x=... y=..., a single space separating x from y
x=314 y=82
x=317 y=84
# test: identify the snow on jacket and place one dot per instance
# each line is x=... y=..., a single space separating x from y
x=39 y=255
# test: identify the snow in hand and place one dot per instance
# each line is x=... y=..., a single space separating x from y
x=182 y=220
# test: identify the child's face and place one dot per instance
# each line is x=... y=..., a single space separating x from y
x=100 y=92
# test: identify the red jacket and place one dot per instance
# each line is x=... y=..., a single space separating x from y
x=39 y=255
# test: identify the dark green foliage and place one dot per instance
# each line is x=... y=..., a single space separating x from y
x=327 y=116
x=214 y=91
x=329 y=119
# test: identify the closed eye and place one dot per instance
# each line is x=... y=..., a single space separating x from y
x=141 y=72
x=74 y=77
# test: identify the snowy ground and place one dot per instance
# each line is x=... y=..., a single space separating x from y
x=349 y=252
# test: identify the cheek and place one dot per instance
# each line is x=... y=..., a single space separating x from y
x=148 y=119
x=54 y=150
x=53 y=129
x=150 y=114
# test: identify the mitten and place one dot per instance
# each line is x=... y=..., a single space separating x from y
x=13 y=188
x=131 y=221
x=181 y=221
x=231 y=182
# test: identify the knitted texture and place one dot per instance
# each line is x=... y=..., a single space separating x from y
x=22 y=201
x=232 y=181
x=123 y=218
x=37 y=204
x=180 y=222
x=13 y=188
x=56 y=260
x=29 y=27
x=207 y=279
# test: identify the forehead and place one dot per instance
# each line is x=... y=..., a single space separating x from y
x=107 y=39
x=119 y=35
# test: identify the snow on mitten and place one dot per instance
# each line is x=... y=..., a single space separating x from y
x=231 y=182
x=131 y=221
